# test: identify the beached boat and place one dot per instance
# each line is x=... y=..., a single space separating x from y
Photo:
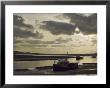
x=64 y=66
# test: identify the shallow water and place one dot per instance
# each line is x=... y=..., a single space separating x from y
x=32 y=64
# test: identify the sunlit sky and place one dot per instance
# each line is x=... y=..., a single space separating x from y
x=55 y=33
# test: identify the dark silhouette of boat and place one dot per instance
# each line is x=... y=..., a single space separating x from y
x=64 y=65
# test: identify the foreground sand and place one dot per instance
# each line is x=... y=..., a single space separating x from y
x=86 y=69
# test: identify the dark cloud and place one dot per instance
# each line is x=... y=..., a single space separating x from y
x=18 y=41
x=19 y=21
x=58 y=45
x=75 y=45
x=22 y=33
x=25 y=34
x=41 y=45
x=40 y=42
x=87 y=24
x=57 y=28
x=60 y=17
x=34 y=42
x=94 y=40
x=34 y=45
x=61 y=40
x=49 y=42
x=23 y=30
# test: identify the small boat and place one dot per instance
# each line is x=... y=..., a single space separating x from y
x=64 y=65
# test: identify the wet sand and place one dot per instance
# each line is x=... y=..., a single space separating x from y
x=85 y=69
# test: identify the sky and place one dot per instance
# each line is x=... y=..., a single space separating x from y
x=55 y=33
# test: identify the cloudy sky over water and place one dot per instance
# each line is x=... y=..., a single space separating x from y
x=56 y=33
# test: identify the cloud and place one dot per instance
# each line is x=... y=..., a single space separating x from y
x=17 y=41
x=58 y=45
x=19 y=21
x=61 y=40
x=57 y=28
x=34 y=45
x=57 y=41
x=41 y=45
x=86 y=24
x=25 y=34
x=94 y=41
x=40 y=42
x=61 y=17
x=35 y=41
x=23 y=30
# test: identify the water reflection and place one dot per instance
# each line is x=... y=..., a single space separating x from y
x=32 y=64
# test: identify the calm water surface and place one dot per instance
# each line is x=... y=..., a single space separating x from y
x=32 y=64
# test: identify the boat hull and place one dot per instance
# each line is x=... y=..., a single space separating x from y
x=66 y=67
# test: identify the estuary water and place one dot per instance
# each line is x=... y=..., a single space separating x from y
x=32 y=64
